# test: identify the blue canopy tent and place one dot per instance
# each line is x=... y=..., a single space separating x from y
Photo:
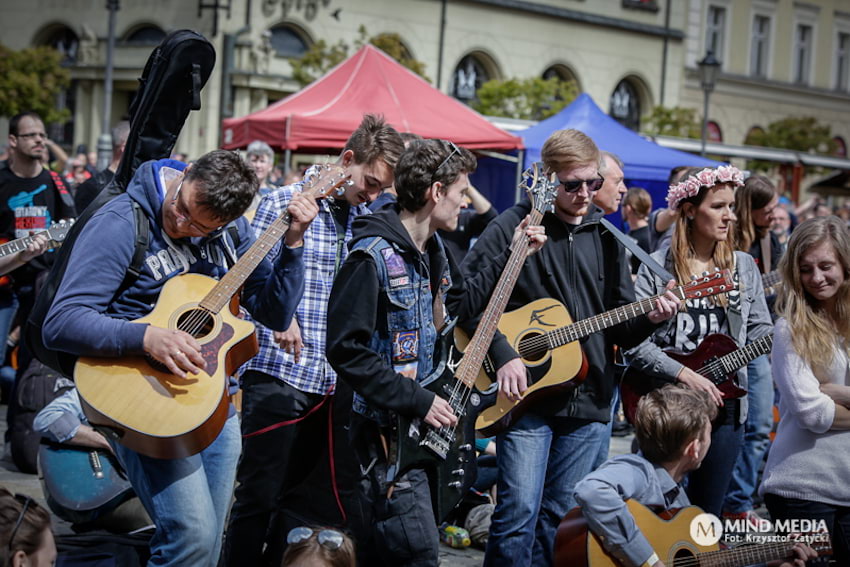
x=647 y=164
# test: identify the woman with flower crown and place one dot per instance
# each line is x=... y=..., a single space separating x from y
x=702 y=243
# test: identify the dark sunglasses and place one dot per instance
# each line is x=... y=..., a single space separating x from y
x=329 y=539
x=25 y=500
x=574 y=185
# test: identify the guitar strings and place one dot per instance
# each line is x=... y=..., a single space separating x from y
x=736 y=554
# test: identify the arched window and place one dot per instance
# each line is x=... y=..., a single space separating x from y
x=713 y=132
x=147 y=34
x=288 y=42
x=64 y=40
x=754 y=137
x=470 y=73
x=625 y=105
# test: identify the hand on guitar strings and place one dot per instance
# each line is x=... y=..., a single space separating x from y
x=696 y=382
x=801 y=553
x=512 y=378
x=290 y=340
x=177 y=350
x=440 y=414
x=39 y=245
x=666 y=306
x=303 y=209
x=535 y=234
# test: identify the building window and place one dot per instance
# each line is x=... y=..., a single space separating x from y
x=468 y=77
x=625 y=105
x=761 y=43
x=840 y=147
x=802 y=53
x=714 y=30
x=286 y=42
x=713 y=132
x=146 y=35
x=842 y=62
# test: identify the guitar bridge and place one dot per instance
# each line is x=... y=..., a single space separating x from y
x=436 y=443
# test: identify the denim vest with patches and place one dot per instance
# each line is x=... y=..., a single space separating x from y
x=405 y=335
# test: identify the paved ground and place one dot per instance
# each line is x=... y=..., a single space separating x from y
x=18 y=482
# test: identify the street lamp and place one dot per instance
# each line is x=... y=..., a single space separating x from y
x=104 y=141
x=709 y=67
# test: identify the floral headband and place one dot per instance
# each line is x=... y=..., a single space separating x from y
x=706 y=178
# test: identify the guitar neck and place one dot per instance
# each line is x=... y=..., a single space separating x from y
x=476 y=351
x=738 y=359
x=746 y=555
x=581 y=329
x=227 y=287
x=20 y=244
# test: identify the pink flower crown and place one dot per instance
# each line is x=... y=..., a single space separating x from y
x=708 y=177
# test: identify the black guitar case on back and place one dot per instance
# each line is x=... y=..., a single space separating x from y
x=170 y=87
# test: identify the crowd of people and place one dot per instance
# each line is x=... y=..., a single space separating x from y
x=349 y=306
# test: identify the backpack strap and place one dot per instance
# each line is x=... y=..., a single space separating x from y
x=142 y=237
x=64 y=194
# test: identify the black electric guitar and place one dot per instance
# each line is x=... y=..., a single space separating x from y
x=55 y=234
x=448 y=453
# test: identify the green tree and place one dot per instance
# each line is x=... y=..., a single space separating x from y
x=672 y=121
x=527 y=99
x=800 y=133
x=30 y=79
x=321 y=57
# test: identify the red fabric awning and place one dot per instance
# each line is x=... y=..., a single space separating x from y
x=325 y=113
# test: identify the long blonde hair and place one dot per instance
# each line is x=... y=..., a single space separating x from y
x=682 y=249
x=812 y=326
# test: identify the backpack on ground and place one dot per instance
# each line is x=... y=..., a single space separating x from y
x=170 y=88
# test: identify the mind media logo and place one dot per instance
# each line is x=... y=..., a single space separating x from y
x=706 y=529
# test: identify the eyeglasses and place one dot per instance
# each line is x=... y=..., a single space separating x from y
x=184 y=217
x=41 y=135
x=574 y=185
x=25 y=500
x=329 y=539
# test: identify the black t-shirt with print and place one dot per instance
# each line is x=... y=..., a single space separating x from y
x=29 y=205
x=699 y=320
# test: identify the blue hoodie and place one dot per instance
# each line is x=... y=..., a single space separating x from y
x=88 y=319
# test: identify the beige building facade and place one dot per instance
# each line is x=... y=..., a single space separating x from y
x=629 y=55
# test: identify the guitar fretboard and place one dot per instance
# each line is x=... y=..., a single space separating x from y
x=20 y=244
x=751 y=554
x=741 y=357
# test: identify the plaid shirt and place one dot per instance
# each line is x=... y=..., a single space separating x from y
x=312 y=373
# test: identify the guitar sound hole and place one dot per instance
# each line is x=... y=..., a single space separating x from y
x=683 y=558
x=533 y=347
x=197 y=322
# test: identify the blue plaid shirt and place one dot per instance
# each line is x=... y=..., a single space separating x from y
x=312 y=373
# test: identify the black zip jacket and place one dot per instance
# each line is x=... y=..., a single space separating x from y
x=585 y=268
x=354 y=306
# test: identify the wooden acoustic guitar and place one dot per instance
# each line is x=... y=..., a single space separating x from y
x=137 y=401
x=717 y=358
x=546 y=339
x=669 y=535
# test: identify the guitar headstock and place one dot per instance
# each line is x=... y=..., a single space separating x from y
x=542 y=188
x=322 y=180
x=59 y=230
x=708 y=284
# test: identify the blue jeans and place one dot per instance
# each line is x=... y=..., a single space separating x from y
x=707 y=486
x=8 y=308
x=187 y=498
x=540 y=460
x=744 y=481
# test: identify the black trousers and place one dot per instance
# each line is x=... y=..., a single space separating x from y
x=837 y=520
x=270 y=463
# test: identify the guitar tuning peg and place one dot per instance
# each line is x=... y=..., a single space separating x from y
x=705 y=273
x=716 y=269
x=693 y=277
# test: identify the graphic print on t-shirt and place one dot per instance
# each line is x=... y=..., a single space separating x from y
x=29 y=217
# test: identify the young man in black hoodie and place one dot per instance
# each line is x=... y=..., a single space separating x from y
x=382 y=332
x=555 y=444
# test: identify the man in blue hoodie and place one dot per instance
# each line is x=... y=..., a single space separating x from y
x=188 y=209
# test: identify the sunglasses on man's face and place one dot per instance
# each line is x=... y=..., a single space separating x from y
x=594 y=184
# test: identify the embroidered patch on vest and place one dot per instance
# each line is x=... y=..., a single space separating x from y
x=396 y=282
x=394 y=262
x=405 y=346
x=407 y=370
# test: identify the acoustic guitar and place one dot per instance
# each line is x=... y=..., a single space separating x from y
x=669 y=535
x=138 y=402
x=546 y=339
x=448 y=453
x=717 y=358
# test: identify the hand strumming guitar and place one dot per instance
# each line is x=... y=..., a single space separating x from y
x=440 y=414
x=177 y=350
x=512 y=378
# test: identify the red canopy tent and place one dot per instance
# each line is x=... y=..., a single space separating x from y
x=322 y=115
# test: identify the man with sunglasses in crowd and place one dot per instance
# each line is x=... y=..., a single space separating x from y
x=189 y=209
x=554 y=444
x=386 y=307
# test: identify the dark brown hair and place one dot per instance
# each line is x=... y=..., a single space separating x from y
x=669 y=418
x=426 y=162
x=28 y=537
x=310 y=548
x=226 y=184
x=374 y=139
x=756 y=194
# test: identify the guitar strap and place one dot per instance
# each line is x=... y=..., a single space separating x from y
x=639 y=252
x=765 y=253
